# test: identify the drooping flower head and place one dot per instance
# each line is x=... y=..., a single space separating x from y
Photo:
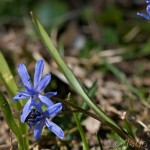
x=37 y=119
x=33 y=91
x=146 y=16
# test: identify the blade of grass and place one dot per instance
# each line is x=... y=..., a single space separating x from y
x=127 y=125
x=85 y=144
x=7 y=79
x=72 y=79
x=66 y=70
x=91 y=93
x=78 y=123
x=99 y=141
x=11 y=122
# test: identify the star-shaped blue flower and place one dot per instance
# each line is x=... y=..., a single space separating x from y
x=33 y=91
x=146 y=16
x=37 y=119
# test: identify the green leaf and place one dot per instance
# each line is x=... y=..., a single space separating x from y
x=67 y=72
x=11 y=122
x=7 y=78
x=91 y=93
x=78 y=123
x=74 y=82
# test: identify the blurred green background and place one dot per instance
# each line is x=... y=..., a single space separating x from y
x=98 y=24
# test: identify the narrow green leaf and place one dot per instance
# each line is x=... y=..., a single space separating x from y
x=99 y=141
x=11 y=122
x=73 y=81
x=78 y=123
x=128 y=127
x=67 y=72
x=7 y=79
x=85 y=144
x=91 y=93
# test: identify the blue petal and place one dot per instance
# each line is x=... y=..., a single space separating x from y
x=53 y=110
x=24 y=76
x=26 y=110
x=20 y=95
x=38 y=130
x=54 y=128
x=38 y=107
x=45 y=100
x=43 y=83
x=144 y=15
x=50 y=94
x=38 y=72
x=148 y=9
x=30 y=91
x=148 y=1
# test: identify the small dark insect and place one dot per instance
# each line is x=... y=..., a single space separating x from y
x=31 y=118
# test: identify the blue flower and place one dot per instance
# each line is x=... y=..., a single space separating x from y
x=146 y=16
x=33 y=91
x=37 y=119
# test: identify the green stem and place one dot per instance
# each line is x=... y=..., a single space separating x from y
x=7 y=78
x=85 y=144
x=76 y=118
x=128 y=128
x=11 y=122
x=99 y=141
x=91 y=92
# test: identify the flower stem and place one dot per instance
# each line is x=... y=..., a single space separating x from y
x=11 y=122
x=85 y=144
x=76 y=118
